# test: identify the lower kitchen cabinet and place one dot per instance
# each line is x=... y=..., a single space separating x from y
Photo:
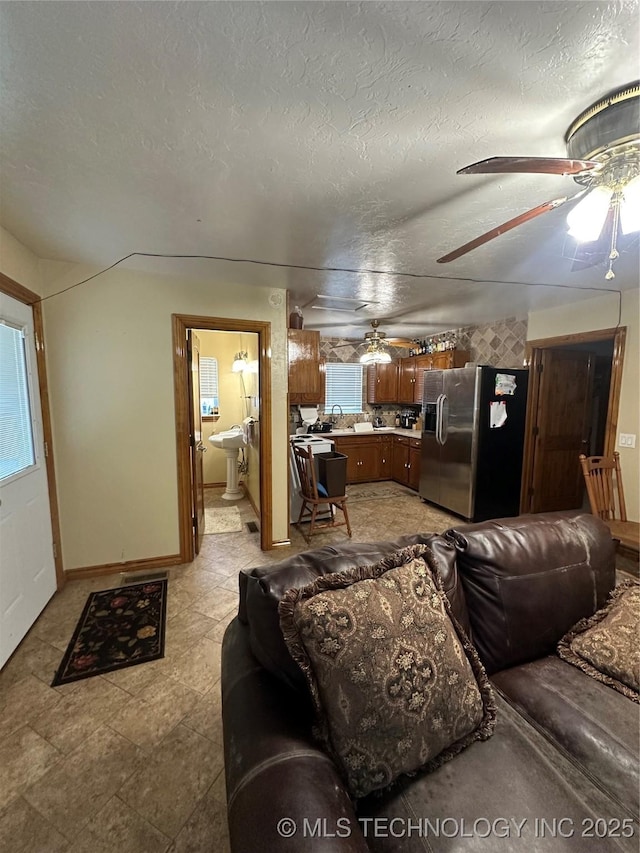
x=406 y=461
x=378 y=457
x=368 y=457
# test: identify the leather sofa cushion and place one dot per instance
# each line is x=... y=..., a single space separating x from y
x=591 y=723
x=474 y=802
x=528 y=579
x=262 y=588
x=396 y=686
x=606 y=646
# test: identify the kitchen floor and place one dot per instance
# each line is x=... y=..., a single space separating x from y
x=132 y=761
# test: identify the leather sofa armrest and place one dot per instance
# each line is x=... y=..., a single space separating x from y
x=284 y=794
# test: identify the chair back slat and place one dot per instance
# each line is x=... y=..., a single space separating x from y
x=603 y=480
x=306 y=472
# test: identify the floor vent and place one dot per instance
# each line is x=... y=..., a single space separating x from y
x=127 y=578
x=252 y=527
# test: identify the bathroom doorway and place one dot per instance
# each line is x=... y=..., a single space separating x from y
x=231 y=393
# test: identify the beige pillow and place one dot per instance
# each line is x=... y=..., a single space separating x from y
x=607 y=645
x=396 y=684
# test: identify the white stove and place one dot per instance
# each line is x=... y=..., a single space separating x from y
x=318 y=444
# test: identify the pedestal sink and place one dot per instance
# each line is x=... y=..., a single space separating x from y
x=230 y=441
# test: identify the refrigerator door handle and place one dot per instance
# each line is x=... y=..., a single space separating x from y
x=439 y=418
x=444 y=418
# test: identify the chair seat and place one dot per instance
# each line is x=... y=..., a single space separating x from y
x=628 y=532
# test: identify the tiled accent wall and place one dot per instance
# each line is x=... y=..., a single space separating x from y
x=501 y=344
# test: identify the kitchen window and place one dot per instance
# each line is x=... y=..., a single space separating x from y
x=343 y=387
x=209 y=401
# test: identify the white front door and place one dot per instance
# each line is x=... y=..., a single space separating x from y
x=27 y=568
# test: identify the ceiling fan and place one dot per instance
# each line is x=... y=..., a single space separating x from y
x=376 y=343
x=603 y=148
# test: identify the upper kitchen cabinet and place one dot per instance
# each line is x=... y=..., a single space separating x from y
x=306 y=374
x=382 y=383
x=406 y=380
x=449 y=358
x=411 y=372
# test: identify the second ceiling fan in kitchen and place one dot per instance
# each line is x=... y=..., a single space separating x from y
x=376 y=343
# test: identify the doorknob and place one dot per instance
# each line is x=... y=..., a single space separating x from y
x=200 y=446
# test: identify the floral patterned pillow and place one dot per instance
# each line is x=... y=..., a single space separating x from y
x=396 y=684
x=605 y=645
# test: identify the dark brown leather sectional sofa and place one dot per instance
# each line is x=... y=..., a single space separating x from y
x=561 y=770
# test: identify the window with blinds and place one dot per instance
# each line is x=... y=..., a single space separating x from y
x=209 y=385
x=16 y=432
x=343 y=387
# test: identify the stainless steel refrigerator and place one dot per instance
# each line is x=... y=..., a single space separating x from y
x=473 y=439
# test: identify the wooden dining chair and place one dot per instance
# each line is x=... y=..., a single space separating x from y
x=312 y=496
x=603 y=479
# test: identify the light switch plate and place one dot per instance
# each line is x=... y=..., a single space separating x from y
x=627 y=440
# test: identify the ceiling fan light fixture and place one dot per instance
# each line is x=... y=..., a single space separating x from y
x=375 y=356
x=630 y=207
x=587 y=218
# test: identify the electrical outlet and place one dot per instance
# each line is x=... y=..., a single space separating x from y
x=626 y=440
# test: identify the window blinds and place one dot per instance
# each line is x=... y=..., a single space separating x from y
x=209 y=379
x=343 y=387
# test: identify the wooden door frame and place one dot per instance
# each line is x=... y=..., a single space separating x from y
x=180 y=324
x=533 y=357
x=17 y=291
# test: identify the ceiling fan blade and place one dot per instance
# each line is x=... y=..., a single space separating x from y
x=400 y=343
x=501 y=229
x=536 y=165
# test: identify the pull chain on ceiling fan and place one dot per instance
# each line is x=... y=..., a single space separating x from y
x=603 y=147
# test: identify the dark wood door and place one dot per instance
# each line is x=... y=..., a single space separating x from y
x=195 y=438
x=564 y=387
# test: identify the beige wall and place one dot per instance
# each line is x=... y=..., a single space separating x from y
x=109 y=357
x=602 y=313
x=19 y=263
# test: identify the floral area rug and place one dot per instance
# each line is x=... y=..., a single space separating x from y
x=376 y=492
x=118 y=628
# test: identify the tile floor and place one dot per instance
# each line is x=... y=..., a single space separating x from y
x=132 y=760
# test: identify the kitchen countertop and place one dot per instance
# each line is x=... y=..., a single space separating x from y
x=408 y=433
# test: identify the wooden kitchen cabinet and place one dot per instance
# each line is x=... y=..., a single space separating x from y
x=368 y=456
x=306 y=376
x=386 y=458
x=406 y=380
x=406 y=461
x=411 y=372
x=449 y=358
x=414 y=463
x=382 y=383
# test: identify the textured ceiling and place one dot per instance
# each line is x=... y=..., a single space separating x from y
x=312 y=134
